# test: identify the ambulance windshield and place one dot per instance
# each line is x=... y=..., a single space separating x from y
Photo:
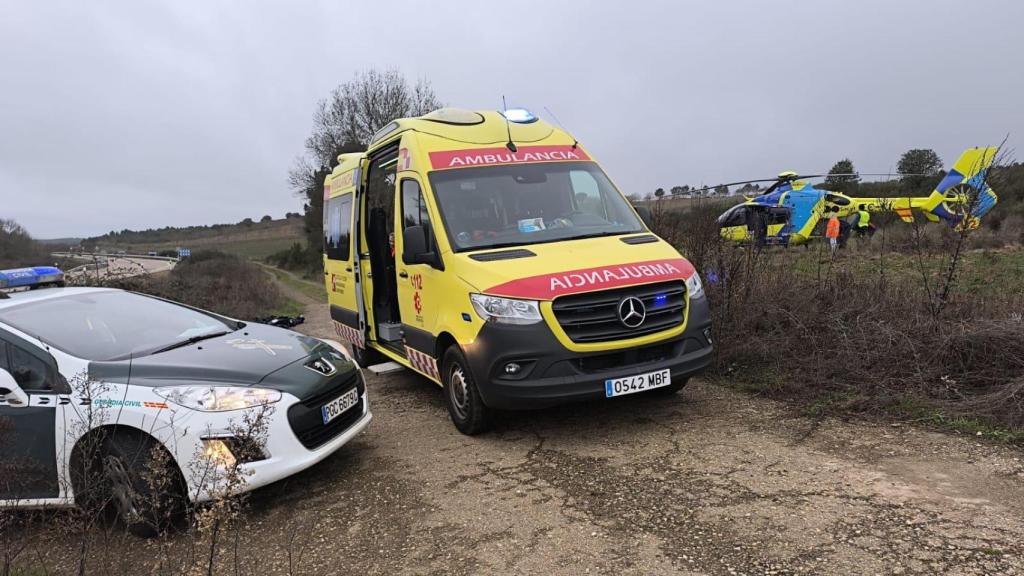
x=518 y=204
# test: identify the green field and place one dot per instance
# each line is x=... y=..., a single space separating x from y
x=255 y=240
x=979 y=272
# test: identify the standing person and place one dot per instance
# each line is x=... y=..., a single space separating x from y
x=863 y=222
x=832 y=232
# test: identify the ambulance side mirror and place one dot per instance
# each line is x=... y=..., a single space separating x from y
x=10 y=391
x=414 y=247
x=645 y=214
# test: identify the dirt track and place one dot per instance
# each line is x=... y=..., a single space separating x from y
x=709 y=481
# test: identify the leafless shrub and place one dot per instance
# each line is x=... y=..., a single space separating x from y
x=92 y=540
x=223 y=283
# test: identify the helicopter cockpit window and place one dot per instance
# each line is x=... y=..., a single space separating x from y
x=837 y=199
x=735 y=216
x=777 y=216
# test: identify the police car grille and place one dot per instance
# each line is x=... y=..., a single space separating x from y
x=307 y=422
x=594 y=316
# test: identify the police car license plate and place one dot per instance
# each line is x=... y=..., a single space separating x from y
x=339 y=405
x=638 y=383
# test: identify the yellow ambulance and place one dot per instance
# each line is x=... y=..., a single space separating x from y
x=490 y=253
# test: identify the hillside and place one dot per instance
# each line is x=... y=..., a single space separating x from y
x=18 y=248
x=59 y=241
x=247 y=238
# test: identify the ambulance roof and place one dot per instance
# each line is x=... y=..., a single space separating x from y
x=470 y=127
x=460 y=128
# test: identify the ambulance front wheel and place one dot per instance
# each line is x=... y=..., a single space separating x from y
x=465 y=406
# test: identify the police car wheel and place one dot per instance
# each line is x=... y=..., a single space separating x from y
x=143 y=495
x=672 y=388
x=466 y=408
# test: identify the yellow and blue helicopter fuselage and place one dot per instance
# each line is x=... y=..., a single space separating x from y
x=790 y=211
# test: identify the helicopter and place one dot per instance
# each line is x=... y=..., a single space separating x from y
x=787 y=212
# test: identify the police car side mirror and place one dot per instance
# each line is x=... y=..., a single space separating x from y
x=645 y=214
x=10 y=391
x=414 y=247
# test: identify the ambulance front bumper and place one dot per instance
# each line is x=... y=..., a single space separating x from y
x=549 y=374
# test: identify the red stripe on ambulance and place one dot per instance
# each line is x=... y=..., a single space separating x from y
x=502 y=155
x=549 y=286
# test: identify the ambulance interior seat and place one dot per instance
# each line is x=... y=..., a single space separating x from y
x=479 y=216
x=385 y=285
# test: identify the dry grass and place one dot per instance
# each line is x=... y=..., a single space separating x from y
x=865 y=332
x=215 y=281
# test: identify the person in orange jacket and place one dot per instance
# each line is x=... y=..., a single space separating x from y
x=832 y=232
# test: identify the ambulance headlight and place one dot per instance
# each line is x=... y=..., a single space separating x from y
x=505 y=310
x=694 y=287
x=218 y=398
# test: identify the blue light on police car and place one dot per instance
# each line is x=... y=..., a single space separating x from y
x=28 y=277
x=519 y=115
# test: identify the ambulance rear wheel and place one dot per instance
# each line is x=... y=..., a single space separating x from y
x=465 y=406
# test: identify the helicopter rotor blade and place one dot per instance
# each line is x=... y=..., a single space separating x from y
x=889 y=174
x=703 y=188
x=777 y=181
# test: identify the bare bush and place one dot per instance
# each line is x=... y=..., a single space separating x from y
x=212 y=280
x=91 y=538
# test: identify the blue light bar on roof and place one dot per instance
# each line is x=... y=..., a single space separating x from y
x=519 y=115
x=30 y=277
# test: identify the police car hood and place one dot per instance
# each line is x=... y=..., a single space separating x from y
x=546 y=271
x=244 y=357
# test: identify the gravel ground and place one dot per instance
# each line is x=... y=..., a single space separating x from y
x=706 y=482
x=709 y=481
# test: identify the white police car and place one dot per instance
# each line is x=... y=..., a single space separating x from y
x=97 y=384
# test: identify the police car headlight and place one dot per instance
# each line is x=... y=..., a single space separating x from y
x=505 y=310
x=694 y=287
x=218 y=398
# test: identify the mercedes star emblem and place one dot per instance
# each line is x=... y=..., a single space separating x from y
x=632 y=312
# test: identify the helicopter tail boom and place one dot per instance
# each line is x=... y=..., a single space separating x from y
x=960 y=200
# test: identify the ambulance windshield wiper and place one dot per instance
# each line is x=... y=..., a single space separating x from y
x=191 y=340
x=598 y=235
x=499 y=245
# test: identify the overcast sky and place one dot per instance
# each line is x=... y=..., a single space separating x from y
x=145 y=114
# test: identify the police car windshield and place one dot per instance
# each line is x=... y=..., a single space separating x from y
x=110 y=325
x=513 y=205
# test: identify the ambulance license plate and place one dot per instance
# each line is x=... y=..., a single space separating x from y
x=337 y=407
x=638 y=383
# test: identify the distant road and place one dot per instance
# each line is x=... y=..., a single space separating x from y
x=111 y=266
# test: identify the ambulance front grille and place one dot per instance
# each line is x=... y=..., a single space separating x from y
x=594 y=316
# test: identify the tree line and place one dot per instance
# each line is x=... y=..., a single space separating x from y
x=918 y=165
x=17 y=248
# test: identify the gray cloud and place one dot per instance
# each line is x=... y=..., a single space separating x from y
x=132 y=115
